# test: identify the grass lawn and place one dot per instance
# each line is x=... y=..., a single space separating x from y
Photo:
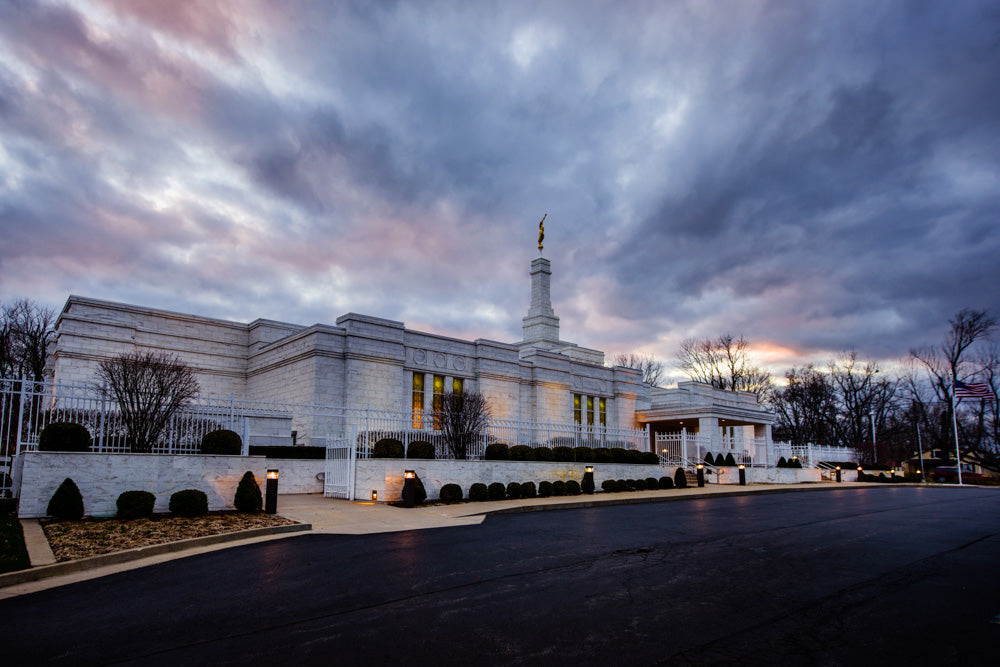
x=13 y=553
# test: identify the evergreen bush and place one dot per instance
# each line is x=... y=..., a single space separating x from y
x=64 y=437
x=652 y=484
x=420 y=450
x=497 y=451
x=387 y=448
x=795 y=463
x=497 y=491
x=609 y=486
x=248 y=497
x=709 y=458
x=563 y=454
x=666 y=482
x=528 y=490
x=559 y=488
x=680 y=479
x=451 y=493
x=544 y=489
x=189 y=502
x=221 y=442
x=730 y=460
x=135 y=504
x=299 y=452
x=622 y=485
x=584 y=454
x=602 y=455
x=634 y=456
x=573 y=488
x=782 y=463
x=419 y=492
x=719 y=460
x=514 y=491
x=522 y=453
x=618 y=455
x=66 y=502
x=543 y=454
x=478 y=492
x=650 y=458
x=631 y=485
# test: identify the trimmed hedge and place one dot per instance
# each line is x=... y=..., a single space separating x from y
x=633 y=485
x=563 y=454
x=135 y=504
x=528 y=490
x=522 y=453
x=584 y=454
x=66 y=502
x=221 y=442
x=189 y=502
x=730 y=460
x=680 y=479
x=478 y=492
x=650 y=458
x=652 y=484
x=544 y=489
x=609 y=486
x=559 y=488
x=709 y=458
x=782 y=463
x=420 y=450
x=497 y=451
x=287 y=452
x=573 y=488
x=497 y=491
x=603 y=455
x=451 y=493
x=666 y=483
x=514 y=491
x=543 y=454
x=64 y=437
x=248 y=497
x=719 y=461
x=387 y=448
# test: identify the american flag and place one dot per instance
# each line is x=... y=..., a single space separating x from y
x=973 y=389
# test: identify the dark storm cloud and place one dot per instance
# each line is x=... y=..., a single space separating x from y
x=817 y=176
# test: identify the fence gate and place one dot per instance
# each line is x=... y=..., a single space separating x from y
x=338 y=477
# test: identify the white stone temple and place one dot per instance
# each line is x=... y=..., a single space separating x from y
x=369 y=362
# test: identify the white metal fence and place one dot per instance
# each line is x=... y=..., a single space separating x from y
x=689 y=449
x=811 y=455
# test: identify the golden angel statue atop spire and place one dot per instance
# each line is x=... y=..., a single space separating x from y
x=541 y=231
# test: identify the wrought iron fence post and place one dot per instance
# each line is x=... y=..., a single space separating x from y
x=20 y=413
x=101 y=422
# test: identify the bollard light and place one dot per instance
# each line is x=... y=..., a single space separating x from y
x=271 y=491
x=589 y=468
x=838 y=473
x=409 y=488
x=588 y=485
x=861 y=471
x=701 y=475
x=743 y=475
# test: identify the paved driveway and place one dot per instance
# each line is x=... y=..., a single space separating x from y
x=852 y=576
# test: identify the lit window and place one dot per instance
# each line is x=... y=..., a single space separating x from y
x=576 y=408
x=418 y=400
x=457 y=385
x=590 y=411
x=438 y=401
x=603 y=407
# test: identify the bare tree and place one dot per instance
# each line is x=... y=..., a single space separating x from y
x=647 y=364
x=864 y=402
x=806 y=407
x=149 y=387
x=464 y=418
x=724 y=363
x=25 y=333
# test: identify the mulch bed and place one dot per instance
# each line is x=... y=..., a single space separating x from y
x=87 y=537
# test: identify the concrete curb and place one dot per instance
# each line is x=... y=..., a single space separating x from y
x=73 y=566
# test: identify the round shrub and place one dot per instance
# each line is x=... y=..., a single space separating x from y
x=514 y=491
x=478 y=492
x=420 y=450
x=64 y=437
x=652 y=484
x=543 y=454
x=544 y=489
x=640 y=485
x=135 y=504
x=719 y=460
x=730 y=460
x=221 y=442
x=66 y=502
x=189 y=502
x=609 y=486
x=573 y=488
x=451 y=493
x=528 y=490
x=563 y=454
x=497 y=451
x=387 y=448
x=248 y=498
x=618 y=455
x=522 y=453
x=584 y=454
x=602 y=455
x=622 y=485
x=497 y=491
x=559 y=488
x=650 y=458
x=630 y=484
x=633 y=456
x=666 y=483
x=680 y=479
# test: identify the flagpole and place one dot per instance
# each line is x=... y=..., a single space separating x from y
x=920 y=455
x=954 y=423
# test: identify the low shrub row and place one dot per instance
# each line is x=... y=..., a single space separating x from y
x=479 y=492
x=648 y=484
x=720 y=461
x=499 y=451
x=67 y=501
x=793 y=463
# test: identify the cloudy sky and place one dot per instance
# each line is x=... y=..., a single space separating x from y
x=814 y=175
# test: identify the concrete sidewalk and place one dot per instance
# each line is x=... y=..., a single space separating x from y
x=318 y=514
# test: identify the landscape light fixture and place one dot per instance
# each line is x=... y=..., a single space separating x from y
x=588 y=485
x=271 y=491
x=743 y=475
x=409 y=488
x=861 y=471
x=701 y=475
x=374 y=494
x=838 y=473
